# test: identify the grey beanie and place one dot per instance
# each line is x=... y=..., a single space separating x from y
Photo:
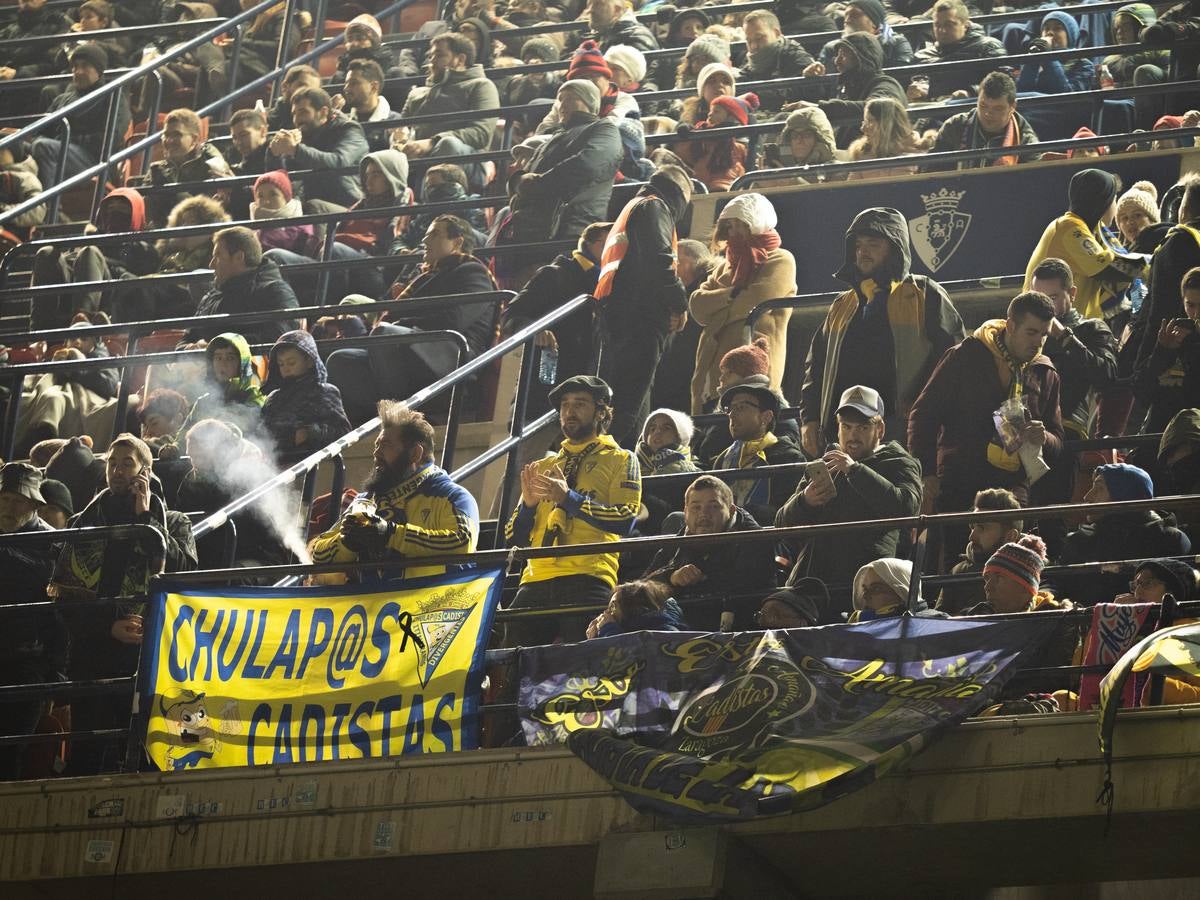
x=585 y=91
x=708 y=48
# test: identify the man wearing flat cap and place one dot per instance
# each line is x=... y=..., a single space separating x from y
x=588 y=492
x=32 y=644
x=868 y=479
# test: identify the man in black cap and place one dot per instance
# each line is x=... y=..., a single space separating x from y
x=867 y=479
x=715 y=570
x=32 y=644
x=88 y=62
x=753 y=410
x=798 y=606
x=589 y=492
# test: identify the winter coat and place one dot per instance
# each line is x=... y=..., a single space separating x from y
x=1178 y=253
x=885 y=485
x=462 y=91
x=922 y=324
x=570 y=275
x=1086 y=360
x=33 y=60
x=256 y=290
x=576 y=168
x=87 y=125
x=260 y=45
x=1123 y=67
x=897 y=51
x=306 y=401
x=669 y=618
x=629 y=31
x=458 y=274
x=646 y=291
x=731 y=568
x=614 y=105
x=295 y=238
x=205 y=164
x=1135 y=535
x=722 y=312
x=763 y=497
x=961 y=132
x=1055 y=77
x=375 y=236
x=974 y=45
x=37 y=635
x=867 y=82
x=950 y=428
x=18 y=183
x=783 y=59
x=338 y=144
x=1168 y=381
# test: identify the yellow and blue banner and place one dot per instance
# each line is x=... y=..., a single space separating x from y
x=722 y=727
x=271 y=676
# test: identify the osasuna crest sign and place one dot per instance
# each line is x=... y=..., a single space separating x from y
x=938 y=233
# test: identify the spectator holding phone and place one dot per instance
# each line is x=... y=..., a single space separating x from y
x=860 y=477
x=1168 y=380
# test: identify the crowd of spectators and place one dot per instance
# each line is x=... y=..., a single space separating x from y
x=903 y=409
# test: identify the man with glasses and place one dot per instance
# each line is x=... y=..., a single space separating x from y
x=867 y=479
x=589 y=492
x=753 y=410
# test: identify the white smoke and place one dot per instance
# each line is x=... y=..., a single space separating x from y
x=238 y=470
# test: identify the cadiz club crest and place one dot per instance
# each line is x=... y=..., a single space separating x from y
x=938 y=233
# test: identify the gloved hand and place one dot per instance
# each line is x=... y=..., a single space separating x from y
x=1037 y=45
x=366 y=534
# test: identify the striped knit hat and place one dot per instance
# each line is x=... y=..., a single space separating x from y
x=1021 y=562
x=588 y=61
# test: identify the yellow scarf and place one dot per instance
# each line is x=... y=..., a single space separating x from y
x=756 y=449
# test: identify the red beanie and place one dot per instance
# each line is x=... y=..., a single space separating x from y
x=749 y=359
x=738 y=107
x=278 y=179
x=588 y=61
x=1167 y=122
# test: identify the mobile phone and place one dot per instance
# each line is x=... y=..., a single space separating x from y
x=819 y=474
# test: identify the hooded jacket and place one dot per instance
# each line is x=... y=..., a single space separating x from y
x=239 y=399
x=922 y=323
x=896 y=574
x=866 y=82
x=974 y=45
x=1053 y=76
x=646 y=289
x=897 y=51
x=338 y=144
x=255 y=290
x=1184 y=475
x=812 y=119
x=950 y=428
x=1136 y=535
x=1123 y=67
x=461 y=91
x=78 y=467
x=32 y=60
x=575 y=170
x=374 y=236
x=884 y=485
x=18 y=183
x=306 y=401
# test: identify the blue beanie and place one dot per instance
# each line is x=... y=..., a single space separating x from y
x=1126 y=482
x=1068 y=22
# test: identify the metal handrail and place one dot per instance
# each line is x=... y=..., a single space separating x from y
x=151 y=138
x=106 y=33
x=448 y=382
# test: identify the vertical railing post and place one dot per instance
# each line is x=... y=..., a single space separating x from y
x=452 y=416
x=60 y=171
x=281 y=54
x=517 y=432
x=110 y=132
x=152 y=117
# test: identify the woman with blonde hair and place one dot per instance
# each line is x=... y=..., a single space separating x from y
x=886 y=132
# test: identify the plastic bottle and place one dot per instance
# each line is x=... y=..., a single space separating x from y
x=548 y=366
x=1105 y=78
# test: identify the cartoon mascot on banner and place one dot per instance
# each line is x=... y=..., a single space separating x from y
x=196 y=735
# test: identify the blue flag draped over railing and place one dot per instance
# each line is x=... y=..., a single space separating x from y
x=713 y=727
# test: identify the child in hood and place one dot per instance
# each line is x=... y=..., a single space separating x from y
x=717 y=163
x=664 y=447
x=234 y=396
x=1060 y=31
x=273 y=199
x=303 y=412
x=384 y=176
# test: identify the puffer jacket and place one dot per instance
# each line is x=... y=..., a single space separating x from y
x=974 y=45
x=258 y=289
x=18 y=183
x=305 y=401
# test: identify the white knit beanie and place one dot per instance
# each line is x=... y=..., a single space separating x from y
x=895 y=573
x=682 y=422
x=753 y=209
x=710 y=70
x=628 y=58
x=1138 y=198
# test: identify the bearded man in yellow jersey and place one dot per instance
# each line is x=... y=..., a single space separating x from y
x=589 y=492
